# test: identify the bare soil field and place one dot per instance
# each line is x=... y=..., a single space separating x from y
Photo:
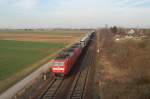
x=53 y=35
x=39 y=38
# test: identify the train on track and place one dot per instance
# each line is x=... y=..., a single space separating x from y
x=65 y=60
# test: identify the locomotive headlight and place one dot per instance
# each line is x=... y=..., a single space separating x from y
x=58 y=68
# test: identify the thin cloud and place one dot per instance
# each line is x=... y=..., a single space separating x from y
x=26 y=4
x=140 y=3
x=124 y=2
x=131 y=3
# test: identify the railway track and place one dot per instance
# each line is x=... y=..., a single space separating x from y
x=80 y=85
x=77 y=90
x=75 y=86
x=52 y=89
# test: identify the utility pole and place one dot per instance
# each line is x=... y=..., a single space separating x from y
x=98 y=40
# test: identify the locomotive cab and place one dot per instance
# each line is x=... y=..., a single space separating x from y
x=61 y=64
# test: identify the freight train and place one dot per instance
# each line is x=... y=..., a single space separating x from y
x=66 y=59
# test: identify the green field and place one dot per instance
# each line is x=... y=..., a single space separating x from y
x=15 y=56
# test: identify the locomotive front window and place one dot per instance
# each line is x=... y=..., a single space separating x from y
x=58 y=63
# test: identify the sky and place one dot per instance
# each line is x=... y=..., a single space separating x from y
x=74 y=13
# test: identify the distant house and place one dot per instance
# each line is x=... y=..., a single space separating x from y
x=131 y=32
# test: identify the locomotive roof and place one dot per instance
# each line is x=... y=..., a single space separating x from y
x=64 y=54
x=75 y=46
x=69 y=50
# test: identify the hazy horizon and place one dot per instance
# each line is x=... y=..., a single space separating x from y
x=74 y=13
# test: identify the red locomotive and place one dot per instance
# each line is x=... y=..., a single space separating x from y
x=65 y=60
